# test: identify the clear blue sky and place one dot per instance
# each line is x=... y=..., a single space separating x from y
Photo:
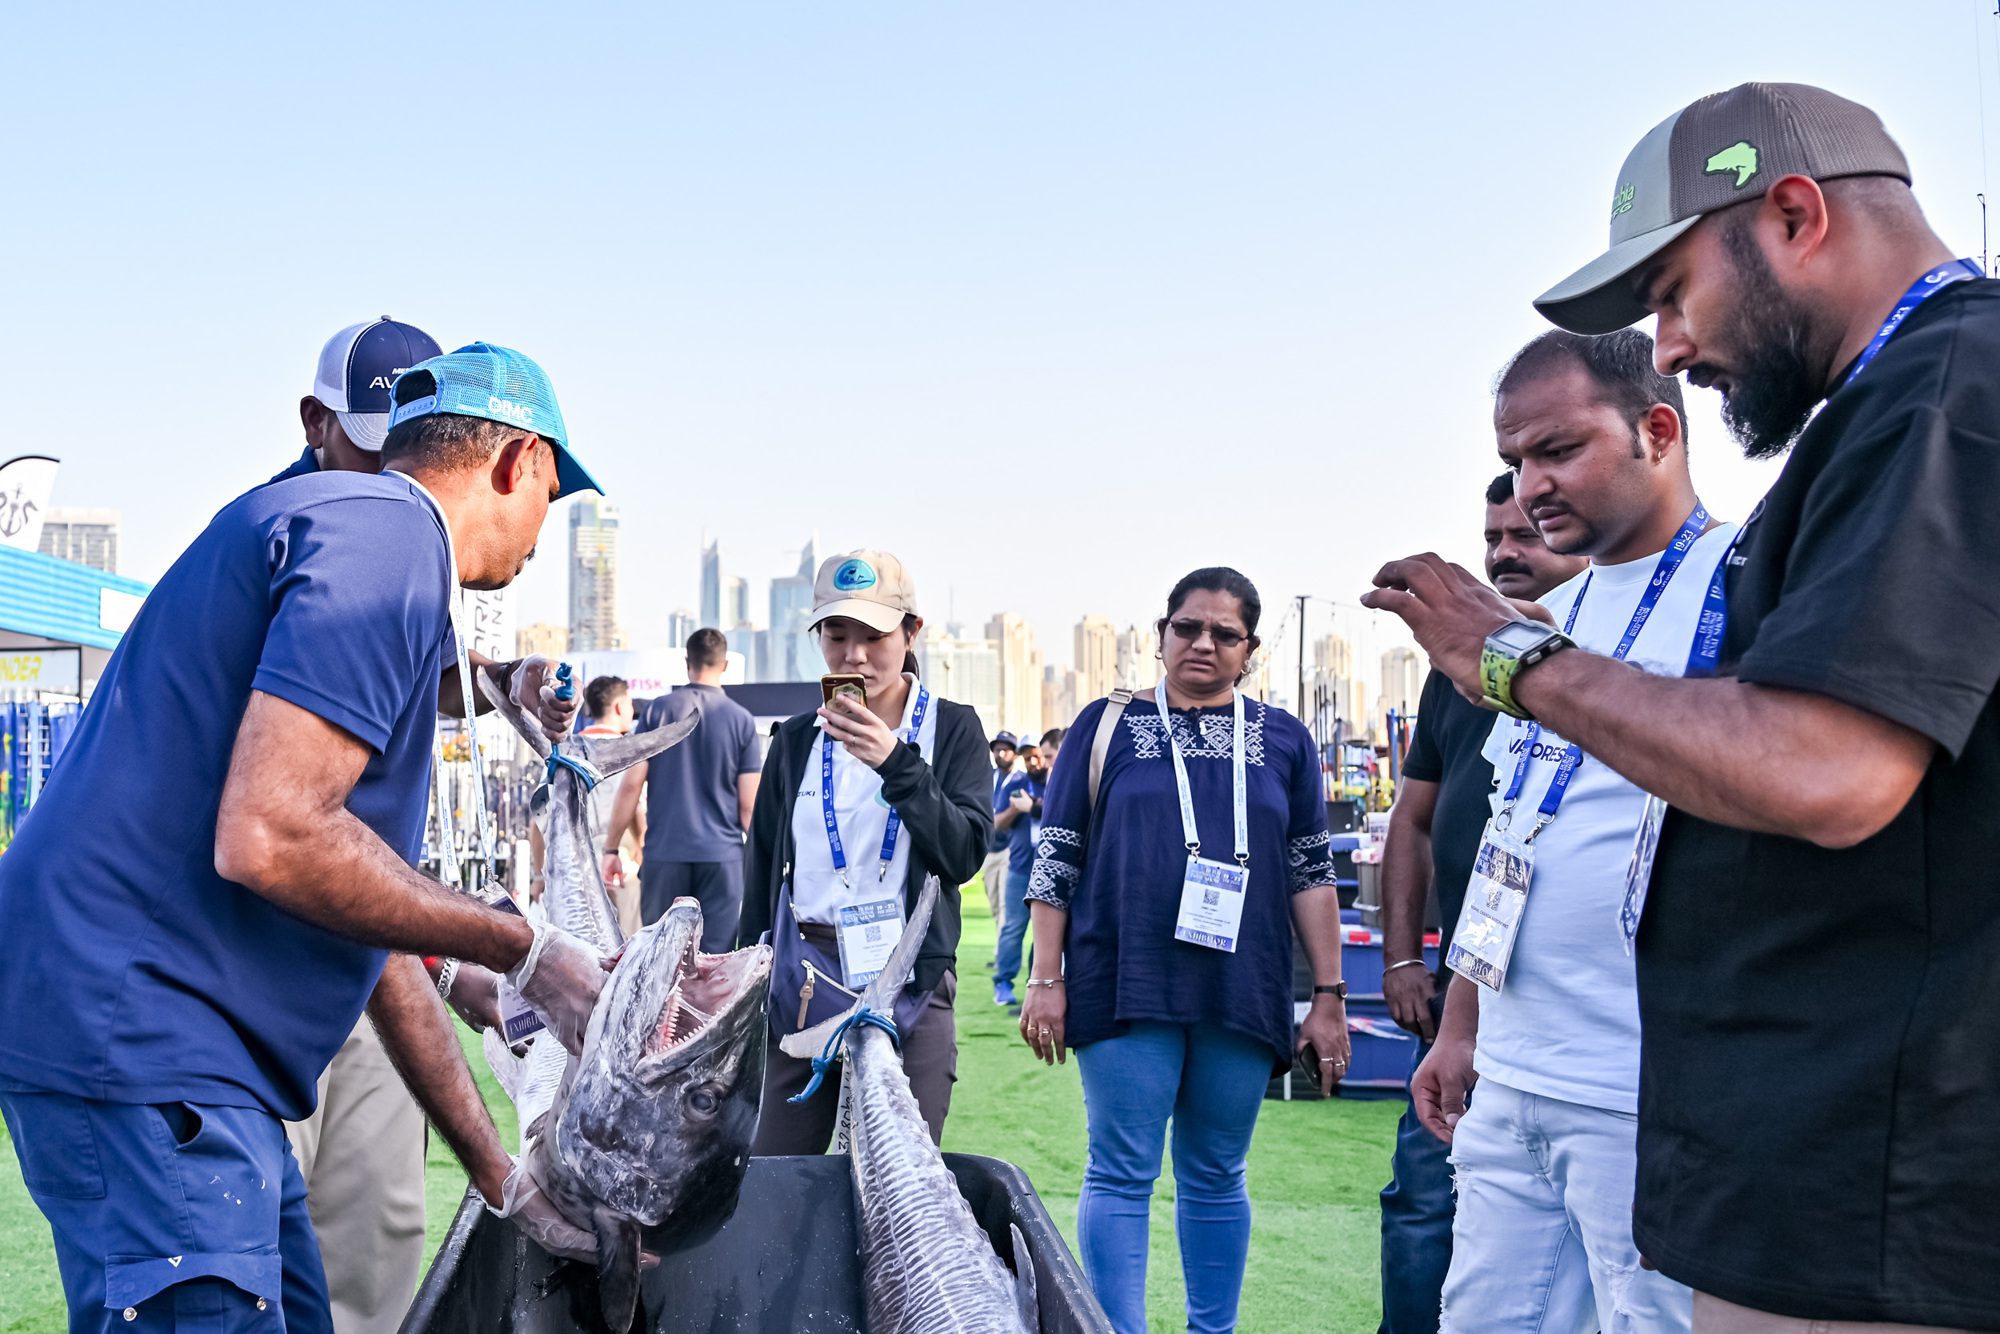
x=1055 y=300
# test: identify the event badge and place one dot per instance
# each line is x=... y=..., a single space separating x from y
x=518 y=1020
x=1494 y=902
x=867 y=934
x=1212 y=904
x=1212 y=892
x=1639 y=872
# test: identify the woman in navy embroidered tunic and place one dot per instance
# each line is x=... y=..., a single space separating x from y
x=1165 y=1028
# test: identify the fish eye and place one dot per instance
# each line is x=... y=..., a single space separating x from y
x=702 y=1101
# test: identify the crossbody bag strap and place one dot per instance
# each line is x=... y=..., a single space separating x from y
x=1100 y=744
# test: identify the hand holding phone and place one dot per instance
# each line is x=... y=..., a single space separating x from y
x=836 y=684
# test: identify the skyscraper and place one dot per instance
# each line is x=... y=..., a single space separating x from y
x=793 y=655
x=86 y=536
x=1096 y=658
x=711 y=587
x=1020 y=672
x=551 y=641
x=1137 y=646
x=735 y=603
x=681 y=626
x=593 y=576
x=964 y=670
x=1402 y=679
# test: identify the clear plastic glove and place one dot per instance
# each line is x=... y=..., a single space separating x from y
x=475 y=996
x=561 y=977
x=532 y=688
x=524 y=1201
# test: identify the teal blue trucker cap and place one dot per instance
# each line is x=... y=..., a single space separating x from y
x=499 y=384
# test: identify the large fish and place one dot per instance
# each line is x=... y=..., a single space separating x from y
x=645 y=1137
x=927 y=1265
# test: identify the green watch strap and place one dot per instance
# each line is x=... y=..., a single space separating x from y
x=1496 y=680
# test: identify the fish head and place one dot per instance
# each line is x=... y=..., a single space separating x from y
x=666 y=1097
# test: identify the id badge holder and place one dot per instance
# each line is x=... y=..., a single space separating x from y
x=1495 y=899
x=867 y=934
x=1639 y=872
x=1212 y=895
x=518 y=1020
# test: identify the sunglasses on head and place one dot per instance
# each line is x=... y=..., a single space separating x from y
x=1190 y=629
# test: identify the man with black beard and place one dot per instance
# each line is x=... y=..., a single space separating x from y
x=1816 y=952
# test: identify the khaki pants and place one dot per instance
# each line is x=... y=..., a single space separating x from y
x=930 y=1059
x=1712 y=1315
x=994 y=874
x=362 y=1155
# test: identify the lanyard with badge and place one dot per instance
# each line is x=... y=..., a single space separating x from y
x=1706 y=651
x=1212 y=892
x=866 y=932
x=1503 y=869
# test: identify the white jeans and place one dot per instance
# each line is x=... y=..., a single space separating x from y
x=1542 y=1240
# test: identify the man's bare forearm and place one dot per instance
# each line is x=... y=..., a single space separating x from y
x=1461 y=1011
x=1407 y=871
x=335 y=872
x=1751 y=757
x=625 y=809
x=451 y=700
x=418 y=1036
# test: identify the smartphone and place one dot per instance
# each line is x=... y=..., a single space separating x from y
x=842 y=683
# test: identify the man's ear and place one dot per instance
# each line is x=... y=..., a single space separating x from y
x=517 y=464
x=1792 y=220
x=1660 y=432
x=312 y=416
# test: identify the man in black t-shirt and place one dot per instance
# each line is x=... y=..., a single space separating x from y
x=1433 y=833
x=1816 y=956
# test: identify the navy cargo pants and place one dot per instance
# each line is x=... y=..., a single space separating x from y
x=171 y=1217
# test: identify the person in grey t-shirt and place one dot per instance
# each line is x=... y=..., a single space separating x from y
x=698 y=799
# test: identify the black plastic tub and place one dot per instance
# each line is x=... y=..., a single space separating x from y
x=789 y=1259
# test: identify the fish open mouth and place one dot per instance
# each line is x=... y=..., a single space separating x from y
x=705 y=986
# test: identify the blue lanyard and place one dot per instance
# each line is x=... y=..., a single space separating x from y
x=1663 y=574
x=895 y=827
x=1706 y=651
x=1922 y=290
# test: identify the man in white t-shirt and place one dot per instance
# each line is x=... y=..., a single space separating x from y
x=1544 y=1157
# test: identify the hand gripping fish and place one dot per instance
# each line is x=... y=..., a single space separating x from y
x=643 y=1139
x=927 y=1265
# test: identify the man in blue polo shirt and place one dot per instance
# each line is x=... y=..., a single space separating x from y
x=215 y=874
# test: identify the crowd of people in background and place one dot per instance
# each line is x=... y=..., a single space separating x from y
x=1703 y=803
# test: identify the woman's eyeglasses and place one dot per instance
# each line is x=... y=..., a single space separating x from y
x=1191 y=630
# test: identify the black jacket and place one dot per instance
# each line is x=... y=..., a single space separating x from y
x=947 y=812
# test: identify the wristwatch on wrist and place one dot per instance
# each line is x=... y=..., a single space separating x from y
x=1337 y=989
x=1511 y=650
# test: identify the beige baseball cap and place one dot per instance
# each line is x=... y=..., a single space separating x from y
x=871 y=587
x=1721 y=150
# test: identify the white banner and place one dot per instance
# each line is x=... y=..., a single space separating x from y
x=492 y=630
x=55 y=671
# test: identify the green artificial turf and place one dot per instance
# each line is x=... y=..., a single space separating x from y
x=1315 y=1168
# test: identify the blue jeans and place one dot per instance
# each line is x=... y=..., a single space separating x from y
x=1416 y=1225
x=1211 y=1084
x=173 y=1216
x=1007 y=959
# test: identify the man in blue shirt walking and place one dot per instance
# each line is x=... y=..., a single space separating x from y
x=1017 y=811
x=214 y=879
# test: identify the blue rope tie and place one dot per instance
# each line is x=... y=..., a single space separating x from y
x=588 y=776
x=824 y=1061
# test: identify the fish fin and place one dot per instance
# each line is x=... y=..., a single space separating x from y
x=1025 y=1300
x=609 y=755
x=530 y=731
x=617 y=1268
x=879 y=995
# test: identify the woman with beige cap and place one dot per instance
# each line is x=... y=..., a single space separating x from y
x=861 y=800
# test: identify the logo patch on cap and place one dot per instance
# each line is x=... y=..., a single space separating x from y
x=853 y=576
x=1622 y=201
x=1740 y=157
